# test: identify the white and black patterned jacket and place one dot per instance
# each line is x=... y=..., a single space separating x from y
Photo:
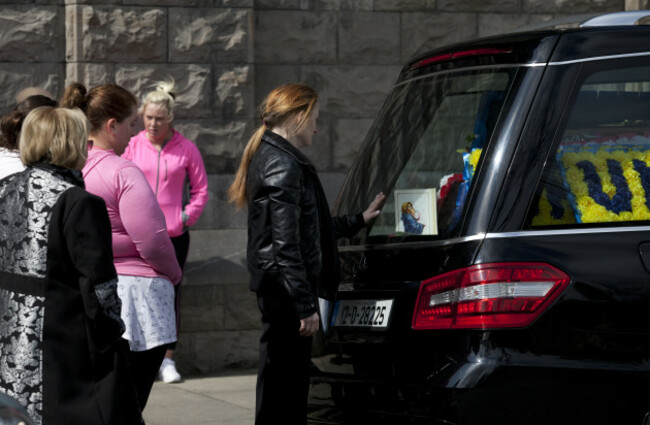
x=59 y=311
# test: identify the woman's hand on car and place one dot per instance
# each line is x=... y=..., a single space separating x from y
x=309 y=325
x=374 y=208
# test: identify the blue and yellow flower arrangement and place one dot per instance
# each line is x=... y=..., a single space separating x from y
x=607 y=183
x=470 y=159
x=553 y=209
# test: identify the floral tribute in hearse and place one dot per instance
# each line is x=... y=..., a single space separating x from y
x=607 y=182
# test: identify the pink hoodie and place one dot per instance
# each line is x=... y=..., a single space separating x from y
x=166 y=171
x=141 y=245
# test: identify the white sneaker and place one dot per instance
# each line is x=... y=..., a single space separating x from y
x=168 y=373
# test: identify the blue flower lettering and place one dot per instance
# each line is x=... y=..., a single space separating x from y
x=622 y=200
x=642 y=168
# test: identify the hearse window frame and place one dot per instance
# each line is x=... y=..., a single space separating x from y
x=520 y=71
x=587 y=67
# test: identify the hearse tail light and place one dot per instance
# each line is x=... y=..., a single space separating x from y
x=496 y=295
x=460 y=54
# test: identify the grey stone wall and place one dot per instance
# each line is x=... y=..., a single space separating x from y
x=225 y=55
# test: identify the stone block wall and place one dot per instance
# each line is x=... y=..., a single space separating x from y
x=225 y=55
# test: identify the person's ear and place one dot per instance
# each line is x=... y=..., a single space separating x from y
x=110 y=125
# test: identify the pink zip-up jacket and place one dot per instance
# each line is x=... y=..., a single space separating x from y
x=141 y=245
x=166 y=171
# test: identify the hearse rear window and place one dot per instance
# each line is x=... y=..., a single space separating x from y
x=601 y=171
x=423 y=150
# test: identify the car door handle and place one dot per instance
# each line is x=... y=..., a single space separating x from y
x=644 y=251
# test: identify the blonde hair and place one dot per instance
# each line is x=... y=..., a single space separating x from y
x=289 y=105
x=55 y=135
x=162 y=96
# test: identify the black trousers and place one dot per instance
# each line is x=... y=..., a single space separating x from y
x=144 y=368
x=284 y=364
x=181 y=245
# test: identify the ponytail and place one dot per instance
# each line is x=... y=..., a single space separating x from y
x=237 y=190
x=101 y=103
x=75 y=96
x=11 y=125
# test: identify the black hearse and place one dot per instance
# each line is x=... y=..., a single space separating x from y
x=507 y=280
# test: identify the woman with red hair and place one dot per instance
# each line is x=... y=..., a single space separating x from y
x=292 y=251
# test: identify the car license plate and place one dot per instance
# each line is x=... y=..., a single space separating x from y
x=365 y=313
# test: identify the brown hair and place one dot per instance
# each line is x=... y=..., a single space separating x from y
x=101 y=103
x=288 y=105
x=55 y=135
x=12 y=123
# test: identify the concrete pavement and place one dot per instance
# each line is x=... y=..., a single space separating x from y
x=227 y=399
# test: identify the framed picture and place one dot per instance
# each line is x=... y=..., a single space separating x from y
x=415 y=211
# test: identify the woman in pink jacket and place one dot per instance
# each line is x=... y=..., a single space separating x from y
x=170 y=163
x=143 y=253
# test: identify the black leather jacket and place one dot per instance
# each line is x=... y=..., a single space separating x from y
x=291 y=234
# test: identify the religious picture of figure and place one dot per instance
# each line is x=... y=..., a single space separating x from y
x=411 y=218
x=415 y=211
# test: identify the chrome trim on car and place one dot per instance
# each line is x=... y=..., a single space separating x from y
x=526 y=233
x=474 y=68
x=411 y=245
x=599 y=58
x=480 y=236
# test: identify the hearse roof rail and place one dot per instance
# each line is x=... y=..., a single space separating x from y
x=633 y=17
x=627 y=18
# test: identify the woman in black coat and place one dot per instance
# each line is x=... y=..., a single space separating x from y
x=292 y=251
x=60 y=326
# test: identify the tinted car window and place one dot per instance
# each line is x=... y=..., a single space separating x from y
x=423 y=151
x=599 y=172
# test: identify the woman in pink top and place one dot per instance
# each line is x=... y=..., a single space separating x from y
x=170 y=162
x=143 y=254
